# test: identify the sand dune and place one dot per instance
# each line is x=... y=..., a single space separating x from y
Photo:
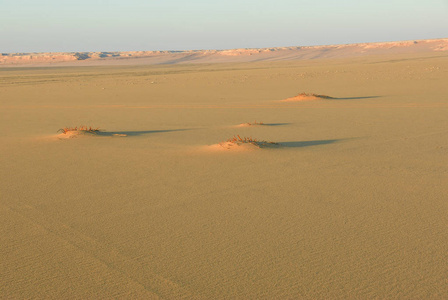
x=352 y=203
x=221 y=56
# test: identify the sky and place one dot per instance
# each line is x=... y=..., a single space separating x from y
x=133 y=25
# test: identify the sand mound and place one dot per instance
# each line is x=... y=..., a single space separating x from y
x=76 y=134
x=238 y=143
x=73 y=132
x=306 y=97
x=227 y=146
x=84 y=131
x=250 y=124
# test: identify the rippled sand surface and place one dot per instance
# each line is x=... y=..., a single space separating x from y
x=352 y=204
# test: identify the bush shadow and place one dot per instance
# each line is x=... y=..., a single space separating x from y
x=355 y=98
x=301 y=144
x=136 y=133
x=276 y=124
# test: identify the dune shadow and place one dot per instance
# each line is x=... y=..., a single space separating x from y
x=189 y=57
x=355 y=98
x=309 y=143
x=136 y=133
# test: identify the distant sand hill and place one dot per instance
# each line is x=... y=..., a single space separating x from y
x=214 y=56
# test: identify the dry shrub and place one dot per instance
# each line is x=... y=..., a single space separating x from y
x=254 y=123
x=79 y=129
x=314 y=95
x=237 y=140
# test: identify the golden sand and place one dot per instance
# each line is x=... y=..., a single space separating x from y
x=353 y=205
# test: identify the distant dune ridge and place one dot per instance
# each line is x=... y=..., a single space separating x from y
x=210 y=56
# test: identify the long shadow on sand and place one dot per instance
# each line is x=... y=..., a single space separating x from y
x=276 y=124
x=136 y=133
x=309 y=143
x=355 y=98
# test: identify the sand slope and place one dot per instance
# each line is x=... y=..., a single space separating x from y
x=352 y=206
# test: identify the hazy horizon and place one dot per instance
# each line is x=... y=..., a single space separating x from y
x=94 y=26
x=223 y=49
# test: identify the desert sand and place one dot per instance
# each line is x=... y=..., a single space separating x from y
x=351 y=204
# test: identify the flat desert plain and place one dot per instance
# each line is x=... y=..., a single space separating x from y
x=352 y=203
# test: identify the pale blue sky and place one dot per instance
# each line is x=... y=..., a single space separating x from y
x=128 y=25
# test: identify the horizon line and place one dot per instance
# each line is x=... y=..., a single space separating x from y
x=227 y=49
